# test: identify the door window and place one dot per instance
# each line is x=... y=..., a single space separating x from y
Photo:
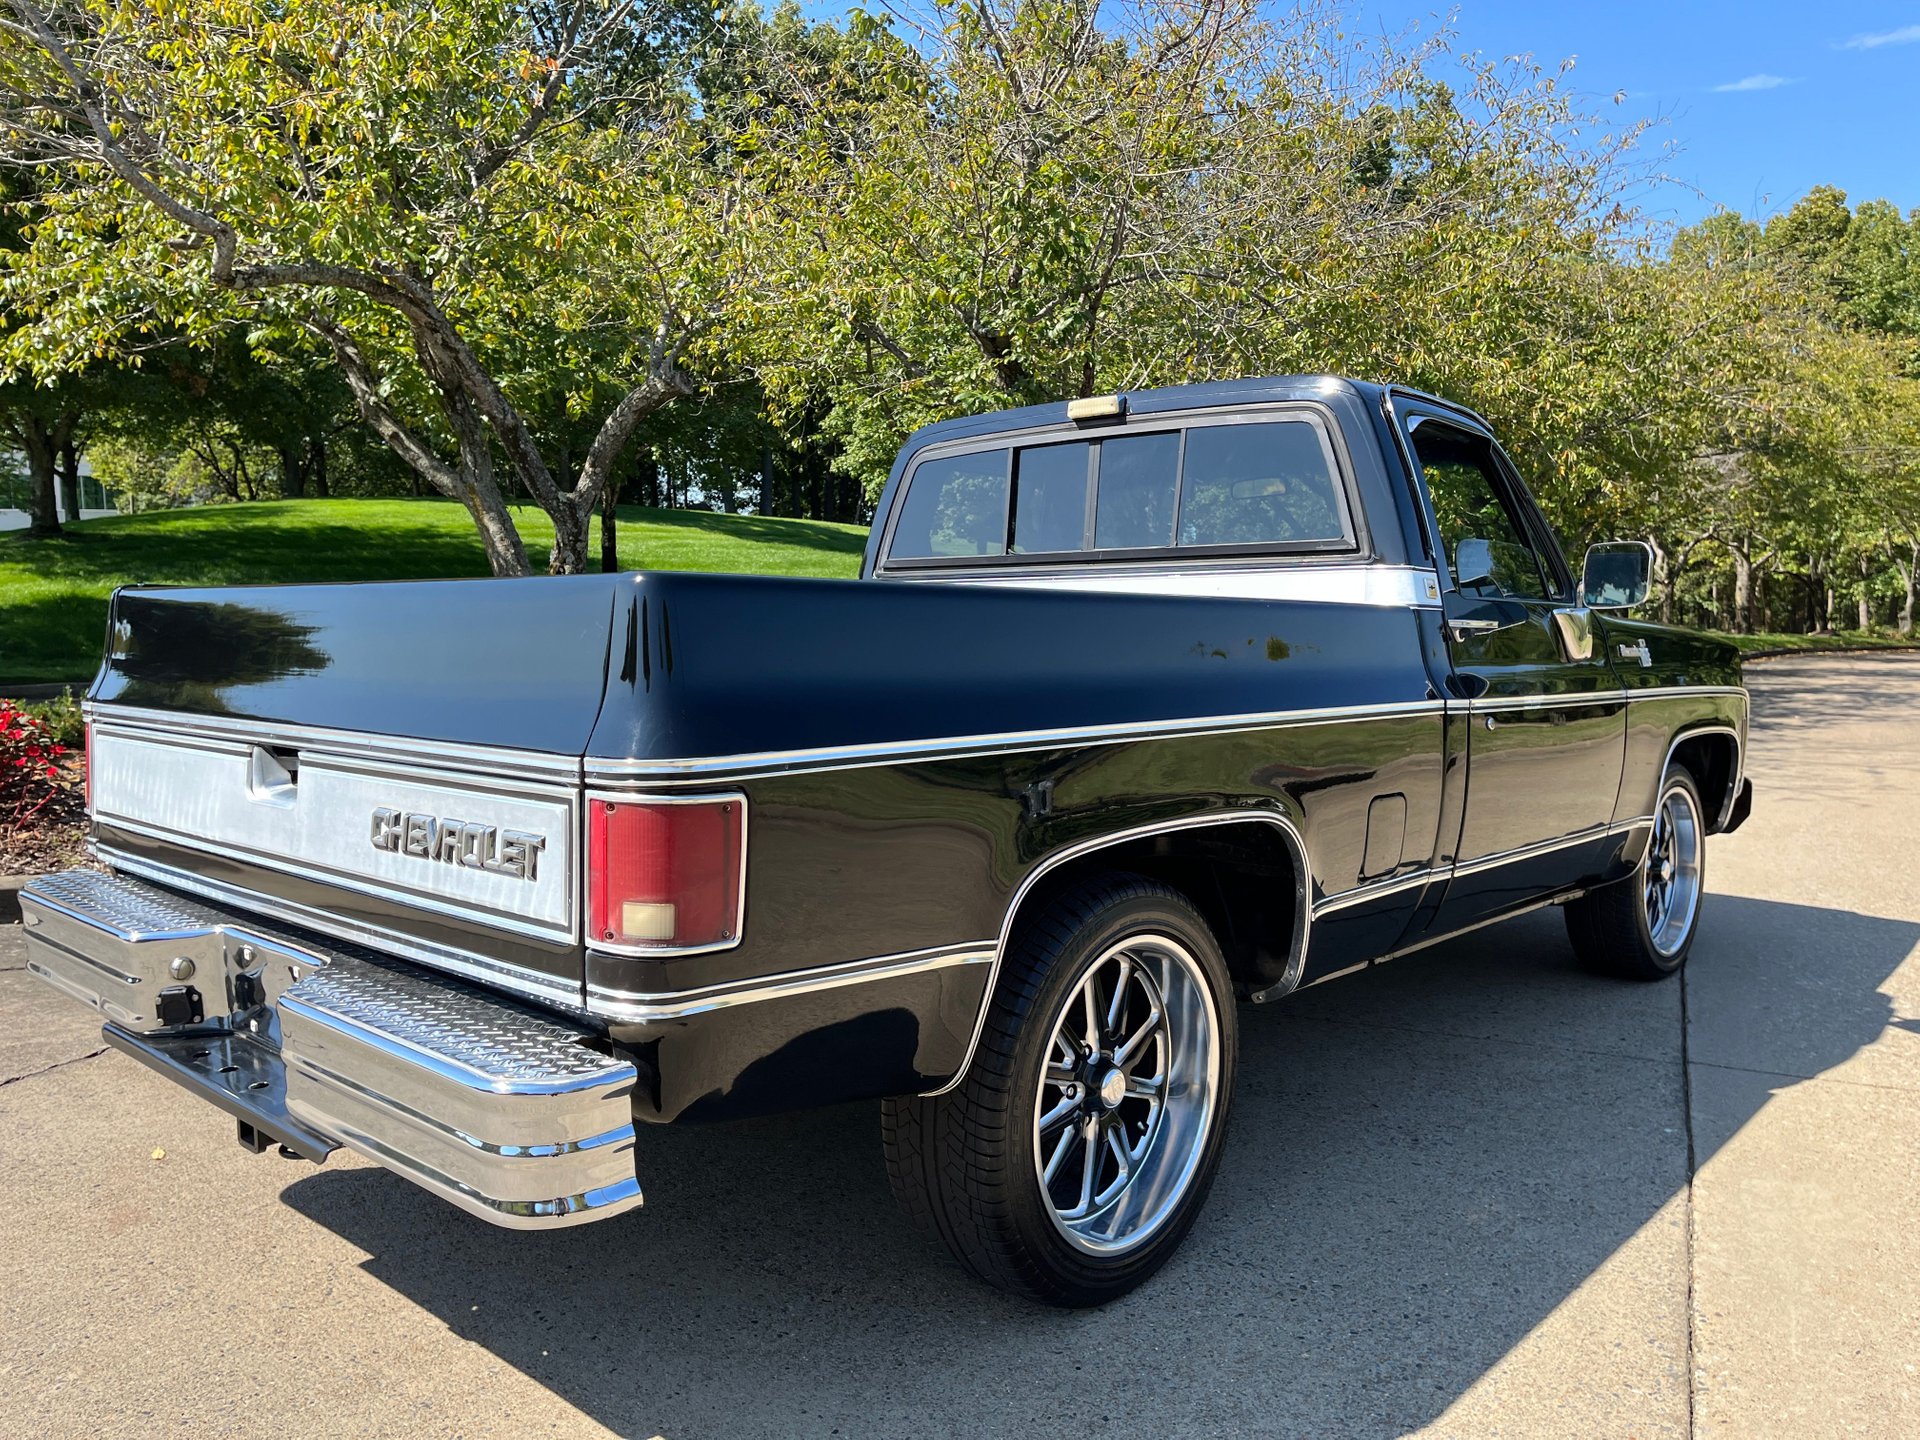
x=1481 y=530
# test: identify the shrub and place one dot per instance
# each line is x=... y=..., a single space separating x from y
x=34 y=785
x=64 y=723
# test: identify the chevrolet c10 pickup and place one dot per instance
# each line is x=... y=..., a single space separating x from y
x=1143 y=706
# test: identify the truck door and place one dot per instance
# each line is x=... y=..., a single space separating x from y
x=1546 y=731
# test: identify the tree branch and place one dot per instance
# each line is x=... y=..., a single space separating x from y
x=665 y=382
x=113 y=155
x=365 y=385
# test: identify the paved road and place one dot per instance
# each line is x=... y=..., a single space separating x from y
x=1474 y=1193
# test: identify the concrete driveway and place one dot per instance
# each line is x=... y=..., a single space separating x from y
x=1476 y=1192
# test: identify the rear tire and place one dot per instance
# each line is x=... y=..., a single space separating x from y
x=1642 y=928
x=1074 y=1156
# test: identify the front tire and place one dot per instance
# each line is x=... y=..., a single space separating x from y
x=1075 y=1155
x=1642 y=928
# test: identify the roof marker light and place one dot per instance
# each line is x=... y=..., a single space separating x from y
x=1097 y=407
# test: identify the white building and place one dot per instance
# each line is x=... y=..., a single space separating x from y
x=95 y=501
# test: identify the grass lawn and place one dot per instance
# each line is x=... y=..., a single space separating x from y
x=1781 y=642
x=53 y=593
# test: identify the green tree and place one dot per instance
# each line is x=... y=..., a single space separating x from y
x=467 y=205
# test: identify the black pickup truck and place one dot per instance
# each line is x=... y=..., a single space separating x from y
x=1143 y=706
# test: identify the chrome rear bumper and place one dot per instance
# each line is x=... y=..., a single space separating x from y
x=511 y=1112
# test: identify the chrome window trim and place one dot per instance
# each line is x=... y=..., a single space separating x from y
x=1314 y=409
x=608 y=770
x=472 y=965
x=1302 y=907
x=611 y=1004
x=494 y=762
x=632 y=797
x=1348 y=582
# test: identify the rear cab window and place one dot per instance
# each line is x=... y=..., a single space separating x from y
x=1267 y=484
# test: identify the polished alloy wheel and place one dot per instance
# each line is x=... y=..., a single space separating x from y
x=1127 y=1093
x=1670 y=878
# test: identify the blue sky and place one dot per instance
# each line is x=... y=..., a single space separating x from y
x=1759 y=102
x=1762 y=100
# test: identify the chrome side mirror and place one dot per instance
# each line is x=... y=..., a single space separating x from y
x=1617 y=575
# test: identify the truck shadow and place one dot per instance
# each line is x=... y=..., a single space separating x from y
x=1425 y=1163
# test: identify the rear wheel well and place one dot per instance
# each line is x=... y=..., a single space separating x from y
x=1246 y=878
x=1712 y=759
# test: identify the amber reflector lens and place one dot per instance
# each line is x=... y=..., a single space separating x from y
x=661 y=875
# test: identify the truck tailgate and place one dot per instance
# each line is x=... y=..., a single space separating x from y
x=395 y=763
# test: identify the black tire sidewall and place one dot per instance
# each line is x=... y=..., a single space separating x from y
x=1146 y=909
x=1676 y=778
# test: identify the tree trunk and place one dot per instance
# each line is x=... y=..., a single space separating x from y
x=570 y=527
x=1742 y=591
x=1866 y=595
x=293 y=473
x=1663 y=572
x=506 y=555
x=317 y=466
x=610 y=527
x=70 y=478
x=42 y=471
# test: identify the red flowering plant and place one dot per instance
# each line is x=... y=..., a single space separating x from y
x=41 y=798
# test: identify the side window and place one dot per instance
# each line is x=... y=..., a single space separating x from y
x=1139 y=483
x=1049 y=499
x=955 y=507
x=1269 y=483
x=1485 y=539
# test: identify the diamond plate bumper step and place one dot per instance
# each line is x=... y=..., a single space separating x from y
x=514 y=1113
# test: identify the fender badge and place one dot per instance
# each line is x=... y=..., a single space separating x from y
x=1638 y=650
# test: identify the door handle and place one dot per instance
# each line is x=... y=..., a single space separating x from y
x=1463 y=628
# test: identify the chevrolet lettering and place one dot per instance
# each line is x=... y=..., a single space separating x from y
x=1145 y=712
x=458 y=842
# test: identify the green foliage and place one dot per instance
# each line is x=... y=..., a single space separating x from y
x=492 y=214
x=512 y=237
x=60 y=720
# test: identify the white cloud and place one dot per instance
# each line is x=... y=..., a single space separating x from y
x=1753 y=82
x=1905 y=35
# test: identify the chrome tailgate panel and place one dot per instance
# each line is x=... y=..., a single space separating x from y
x=500 y=851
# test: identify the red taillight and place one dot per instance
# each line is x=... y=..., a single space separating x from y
x=86 y=764
x=665 y=875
